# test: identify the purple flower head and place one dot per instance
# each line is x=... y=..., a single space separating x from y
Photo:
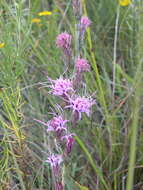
x=57 y=124
x=81 y=105
x=69 y=142
x=82 y=65
x=55 y=161
x=60 y=87
x=84 y=22
x=63 y=41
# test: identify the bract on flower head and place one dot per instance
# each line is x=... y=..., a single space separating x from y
x=61 y=87
x=69 y=142
x=81 y=105
x=82 y=65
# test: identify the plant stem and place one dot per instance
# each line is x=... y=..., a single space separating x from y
x=115 y=53
x=136 y=100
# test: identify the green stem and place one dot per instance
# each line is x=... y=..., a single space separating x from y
x=136 y=101
x=115 y=52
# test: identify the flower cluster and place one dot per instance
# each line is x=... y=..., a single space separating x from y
x=84 y=23
x=60 y=87
x=2 y=45
x=82 y=65
x=124 y=2
x=43 y=13
x=81 y=105
x=55 y=161
x=57 y=125
x=63 y=41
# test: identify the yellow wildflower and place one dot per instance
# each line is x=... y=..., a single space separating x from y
x=44 y=13
x=36 y=20
x=2 y=45
x=124 y=2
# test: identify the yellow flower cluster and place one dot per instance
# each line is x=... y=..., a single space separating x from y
x=2 y=45
x=36 y=20
x=124 y=2
x=43 y=13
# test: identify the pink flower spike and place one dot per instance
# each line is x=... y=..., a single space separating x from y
x=60 y=87
x=55 y=161
x=69 y=142
x=84 y=22
x=63 y=41
x=82 y=65
x=81 y=105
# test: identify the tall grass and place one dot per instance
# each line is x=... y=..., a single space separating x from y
x=108 y=151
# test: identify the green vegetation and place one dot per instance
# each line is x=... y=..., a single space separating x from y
x=108 y=154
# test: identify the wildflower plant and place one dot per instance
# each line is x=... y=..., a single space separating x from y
x=73 y=104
